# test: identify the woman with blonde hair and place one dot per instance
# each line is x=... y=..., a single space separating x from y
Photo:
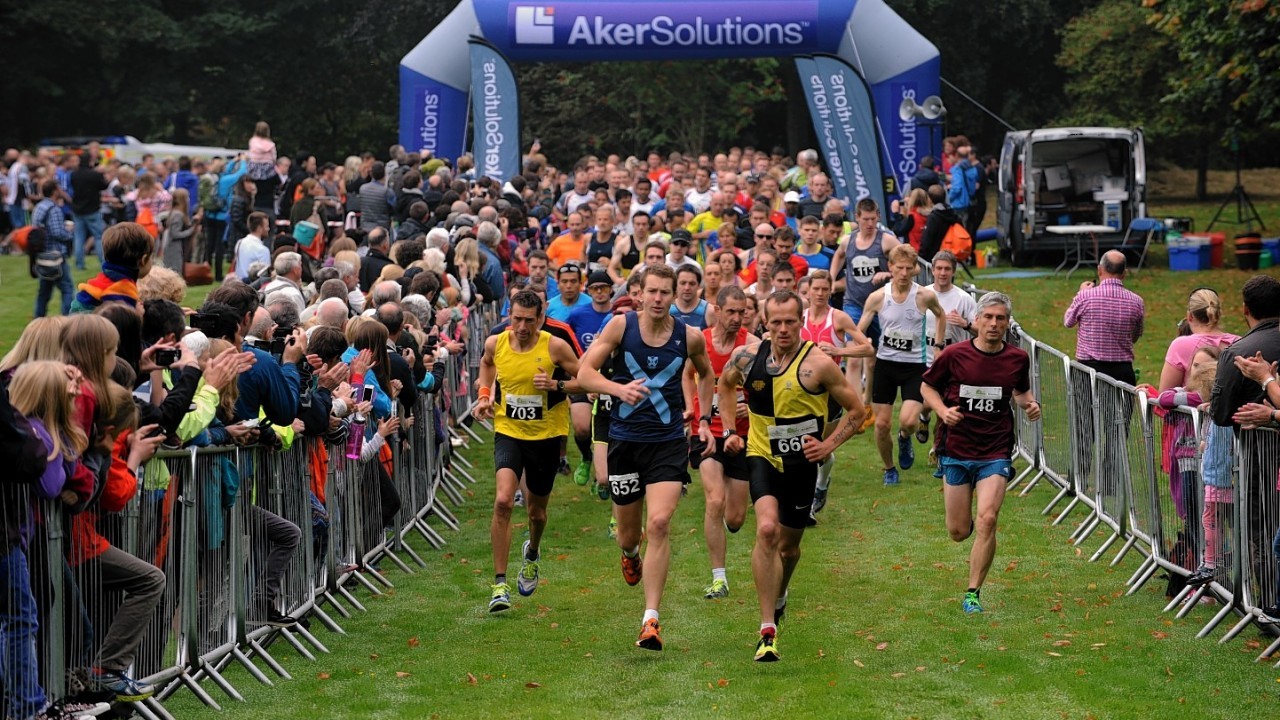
x=43 y=391
x=1204 y=313
x=915 y=213
x=162 y=284
x=89 y=343
x=41 y=339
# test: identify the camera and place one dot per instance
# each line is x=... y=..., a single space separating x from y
x=206 y=323
x=274 y=346
x=164 y=357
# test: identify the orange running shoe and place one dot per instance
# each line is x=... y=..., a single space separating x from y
x=649 y=637
x=632 y=569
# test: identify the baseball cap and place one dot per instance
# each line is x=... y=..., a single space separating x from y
x=681 y=236
x=599 y=277
x=791 y=196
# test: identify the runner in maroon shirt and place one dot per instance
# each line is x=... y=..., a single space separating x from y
x=970 y=386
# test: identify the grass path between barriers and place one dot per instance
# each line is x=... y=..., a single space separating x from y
x=874 y=628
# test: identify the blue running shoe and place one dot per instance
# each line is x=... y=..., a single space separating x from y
x=891 y=476
x=906 y=452
x=971 y=604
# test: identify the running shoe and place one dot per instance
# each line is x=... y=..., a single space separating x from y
x=906 y=452
x=922 y=432
x=125 y=688
x=73 y=711
x=501 y=598
x=649 y=637
x=933 y=458
x=582 y=474
x=811 y=521
x=819 y=500
x=613 y=528
x=779 y=612
x=632 y=569
x=563 y=469
x=1202 y=576
x=767 y=648
x=716 y=590
x=519 y=499
x=971 y=604
x=602 y=491
x=891 y=476
x=527 y=580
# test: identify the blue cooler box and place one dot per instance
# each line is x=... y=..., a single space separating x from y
x=1272 y=244
x=1188 y=257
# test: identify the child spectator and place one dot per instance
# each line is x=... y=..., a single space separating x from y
x=127 y=249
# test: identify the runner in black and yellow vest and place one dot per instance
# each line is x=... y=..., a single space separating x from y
x=531 y=417
x=788 y=382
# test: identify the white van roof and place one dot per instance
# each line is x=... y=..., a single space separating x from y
x=1065 y=133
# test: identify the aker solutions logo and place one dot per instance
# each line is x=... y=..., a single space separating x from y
x=535 y=25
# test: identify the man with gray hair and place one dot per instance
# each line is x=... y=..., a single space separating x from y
x=332 y=312
x=387 y=291
x=971 y=386
x=288 y=279
x=438 y=238
x=488 y=237
x=348 y=275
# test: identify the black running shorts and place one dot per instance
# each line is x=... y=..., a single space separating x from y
x=793 y=490
x=635 y=465
x=601 y=413
x=735 y=466
x=891 y=375
x=537 y=460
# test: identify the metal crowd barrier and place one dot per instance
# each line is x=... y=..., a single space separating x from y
x=209 y=519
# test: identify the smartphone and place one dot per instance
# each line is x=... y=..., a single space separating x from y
x=206 y=323
x=165 y=357
x=366 y=396
x=282 y=333
x=251 y=423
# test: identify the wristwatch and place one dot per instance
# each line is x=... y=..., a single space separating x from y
x=560 y=385
x=729 y=432
x=706 y=419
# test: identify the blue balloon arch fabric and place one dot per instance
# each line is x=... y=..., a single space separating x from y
x=896 y=61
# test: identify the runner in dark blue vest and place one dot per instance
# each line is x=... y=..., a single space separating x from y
x=647 y=448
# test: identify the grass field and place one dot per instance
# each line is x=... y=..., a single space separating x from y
x=874 y=628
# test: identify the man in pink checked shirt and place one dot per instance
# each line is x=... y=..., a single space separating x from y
x=1109 y=318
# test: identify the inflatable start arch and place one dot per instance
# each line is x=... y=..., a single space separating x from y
x=895 y=60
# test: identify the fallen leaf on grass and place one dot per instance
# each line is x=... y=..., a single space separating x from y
x=588 y=655
x=920 y=668
x=1053 y=654
x=859 y=664
x=373 y=656
x=471 y=679
x=722 y=683
x=898 y=675
x=414 y=642
x=401 y=674
x=1159 y=634
x=1252 y=644
x=1168 y=671
x=562 y=557
x=322 y=676
x=882 y=646
x=821 y=654
x=533 y=685
x=555 y=625
x=1061 y=643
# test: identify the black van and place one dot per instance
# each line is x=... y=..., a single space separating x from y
x=1067 y=176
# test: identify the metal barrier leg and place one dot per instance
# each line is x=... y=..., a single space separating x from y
x=1086 y=528
x=1133 y=540
x=208 y=669
x=1075 y=500
x=306 y=635
x=240 y=657
x=1138 y=573
x=1226 y=610
x=1192 y=599
x=1105 y=546
x=1032 y=482
x=271 y=662
x=1056 y=499
x=324 y=618
x=1137 y=585
x=152 y=707
x=447 y=517
x=288 y=637
x=1248 y=619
